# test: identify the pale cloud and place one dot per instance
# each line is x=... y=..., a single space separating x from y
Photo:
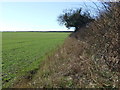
x=12 y=27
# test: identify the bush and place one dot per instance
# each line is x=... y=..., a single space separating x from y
x=75 y=18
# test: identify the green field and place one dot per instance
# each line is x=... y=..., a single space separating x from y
x=23 y=52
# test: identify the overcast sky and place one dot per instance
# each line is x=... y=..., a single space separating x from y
x=36 y=16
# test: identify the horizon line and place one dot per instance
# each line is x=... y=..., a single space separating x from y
x=36 y=31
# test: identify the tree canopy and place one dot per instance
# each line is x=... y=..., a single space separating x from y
x=74 y=18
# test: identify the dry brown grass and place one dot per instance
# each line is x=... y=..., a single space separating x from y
x=90 y=61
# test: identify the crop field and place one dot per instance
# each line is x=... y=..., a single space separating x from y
x=24 y=51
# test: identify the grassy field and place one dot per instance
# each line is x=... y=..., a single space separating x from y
x=23 y=51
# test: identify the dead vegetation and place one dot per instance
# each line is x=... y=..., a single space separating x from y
x=88 y=59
